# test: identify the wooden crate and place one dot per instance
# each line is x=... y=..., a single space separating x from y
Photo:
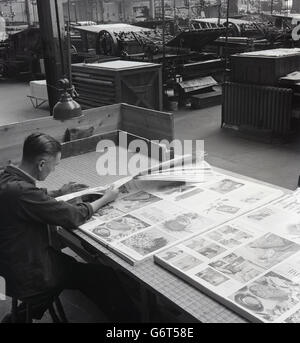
x=106 y=83
x=264 y=69
x=96 y=123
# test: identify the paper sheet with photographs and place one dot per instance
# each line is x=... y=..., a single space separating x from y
x=200 y=172
x=150 y=216
x=251 y=264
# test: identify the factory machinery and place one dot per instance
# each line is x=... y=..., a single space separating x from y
x=140 y=43
x=181 y=54
x=184 y=49
x=188 y=52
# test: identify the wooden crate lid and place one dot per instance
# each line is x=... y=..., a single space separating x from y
x=272 y=53
x=117 y=65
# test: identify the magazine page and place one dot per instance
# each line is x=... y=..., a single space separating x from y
x=248 y=267
x=148 y=223
x=283 y=216
x=149 y=216
x=227 y=198
x=136 y=214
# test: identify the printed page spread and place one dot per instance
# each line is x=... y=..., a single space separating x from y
x=150 y=216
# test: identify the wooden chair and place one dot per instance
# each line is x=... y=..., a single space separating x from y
x=58 y=315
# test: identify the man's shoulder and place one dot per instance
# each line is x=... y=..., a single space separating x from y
x=15 y=186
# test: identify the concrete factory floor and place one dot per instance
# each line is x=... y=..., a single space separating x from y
x=274 y=163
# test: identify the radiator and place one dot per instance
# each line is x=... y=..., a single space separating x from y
x=259 y=107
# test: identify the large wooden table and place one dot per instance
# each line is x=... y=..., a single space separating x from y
x=154 y=287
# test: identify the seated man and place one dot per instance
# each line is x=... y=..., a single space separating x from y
x=34 y=271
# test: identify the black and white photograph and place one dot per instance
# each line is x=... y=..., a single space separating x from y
x=261 y=214
x=222 y=208
x=107 y=213
x=293 y=318
x=187 y=262
x=269 y=297
x=118 y=228
x=212 y=277
x=159 y=212
x=226 y=186
x=229 y=236
x=186 y=224
x=148 y=241
x=205 y=247
x=149 y=163
x=134 y=201
x=238 y=269
x=171 y=254
x=268 y=250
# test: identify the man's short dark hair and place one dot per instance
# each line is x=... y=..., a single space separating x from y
x=40 y=144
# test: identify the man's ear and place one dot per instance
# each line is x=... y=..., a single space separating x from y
x=41 y=164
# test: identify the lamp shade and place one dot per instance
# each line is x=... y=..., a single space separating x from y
x=66 y=108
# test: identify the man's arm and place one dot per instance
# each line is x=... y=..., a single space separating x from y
x=71 y=187
x=109 y=196
x=34 y=204
x=55 y=194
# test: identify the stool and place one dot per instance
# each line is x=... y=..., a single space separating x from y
x=57 y=317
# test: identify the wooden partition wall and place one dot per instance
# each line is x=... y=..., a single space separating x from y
x=138 y=121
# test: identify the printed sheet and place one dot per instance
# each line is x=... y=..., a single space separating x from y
x=251 y=264
x=149 y=216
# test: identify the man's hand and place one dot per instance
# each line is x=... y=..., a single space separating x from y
x=110 y=195
x=72 y=187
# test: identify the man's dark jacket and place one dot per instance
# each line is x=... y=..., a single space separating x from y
x=27 y=263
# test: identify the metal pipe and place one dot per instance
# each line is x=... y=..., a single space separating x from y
x=226 y=37
x=163 y=38
x=219 y=12
x=69 y=46
x=174 y=5
x=189 y=13
x=61 y=51
x=164 y=31
x=52 y=27
x=271 y=6
x=97 y=19
x=152 y=9
x=75 y=11
x=27 y=12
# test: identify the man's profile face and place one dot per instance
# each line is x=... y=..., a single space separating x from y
x=46 y=165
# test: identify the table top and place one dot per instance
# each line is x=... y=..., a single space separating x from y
x=197 y=304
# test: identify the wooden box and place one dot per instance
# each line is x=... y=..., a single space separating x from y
x=93 y=125
x=135 y=83
x=264 y=67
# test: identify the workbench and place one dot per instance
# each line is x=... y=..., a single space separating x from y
x=155 y=289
